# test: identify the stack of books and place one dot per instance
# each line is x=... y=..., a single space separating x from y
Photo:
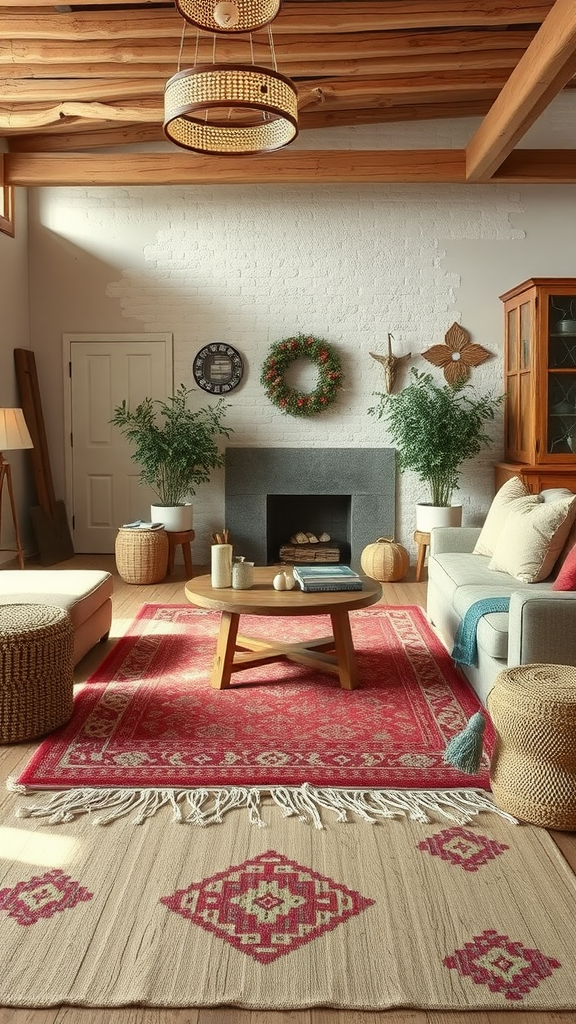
x=142 y=524
x=315 y=578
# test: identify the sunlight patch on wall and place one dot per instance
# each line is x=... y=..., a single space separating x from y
x=95 y=222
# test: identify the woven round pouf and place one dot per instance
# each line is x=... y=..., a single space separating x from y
x=141 y=555
x=533 y=767
x=385 y=560
x=36 y=670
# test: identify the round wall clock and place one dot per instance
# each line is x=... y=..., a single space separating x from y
x=217 y=368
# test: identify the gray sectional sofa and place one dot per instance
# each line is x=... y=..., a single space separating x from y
x=539 y=627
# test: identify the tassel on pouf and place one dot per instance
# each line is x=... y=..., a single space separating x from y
x=464 y=751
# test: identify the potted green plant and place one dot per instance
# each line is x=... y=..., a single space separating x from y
x=175 y=448
x=436 y=428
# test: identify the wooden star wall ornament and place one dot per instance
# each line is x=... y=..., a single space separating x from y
x=457 y=356
x=390 y=364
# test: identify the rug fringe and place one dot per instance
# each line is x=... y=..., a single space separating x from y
x=209 y=806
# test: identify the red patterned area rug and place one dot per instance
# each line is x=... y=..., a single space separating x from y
x=149 y=731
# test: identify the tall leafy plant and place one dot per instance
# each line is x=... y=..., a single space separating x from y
x=436 y=428
x=175 y=447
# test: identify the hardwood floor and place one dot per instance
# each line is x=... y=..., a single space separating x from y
x=127 y=600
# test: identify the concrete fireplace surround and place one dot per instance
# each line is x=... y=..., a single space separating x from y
x=367 y=475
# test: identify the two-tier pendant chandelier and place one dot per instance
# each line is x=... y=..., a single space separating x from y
x=230 y=109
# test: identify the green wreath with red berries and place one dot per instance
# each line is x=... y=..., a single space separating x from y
x=290 y=400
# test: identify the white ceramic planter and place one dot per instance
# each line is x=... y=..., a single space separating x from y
x=429 y=516
x=176 y=518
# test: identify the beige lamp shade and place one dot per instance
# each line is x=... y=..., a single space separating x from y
x=14 y=433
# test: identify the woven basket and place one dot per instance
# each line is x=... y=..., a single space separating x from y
x=533 y=767
x=36 y=670
x=142 y=555
x=385 y=560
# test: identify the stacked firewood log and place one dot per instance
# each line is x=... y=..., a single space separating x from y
x=307 y=547
x=309 y=538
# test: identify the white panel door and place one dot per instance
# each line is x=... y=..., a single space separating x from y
x=105 y=490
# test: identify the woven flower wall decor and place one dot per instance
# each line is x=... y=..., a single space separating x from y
x=457 y=356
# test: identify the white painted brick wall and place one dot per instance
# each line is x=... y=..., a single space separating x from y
x=253 y=265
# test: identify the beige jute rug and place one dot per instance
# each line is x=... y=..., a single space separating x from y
x=359 y=916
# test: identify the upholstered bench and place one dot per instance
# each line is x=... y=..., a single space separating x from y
x=86 y=594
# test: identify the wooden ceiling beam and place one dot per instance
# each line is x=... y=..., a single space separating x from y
x=51 y=31
x=287 y=167
x=73 y=138
x=458 y=66
x=371 y=16
x=145 y=112
x=391 y=68
x=294 y=55
x=502 y=61
x=425 y=109
x=380 y=92
x=79 y=25
x=79 y=136
x=74 y=90
x=329 y=94
x=547 y=167
x=547 y=65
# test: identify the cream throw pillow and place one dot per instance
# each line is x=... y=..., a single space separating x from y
x=497 y=515
x=532 y=537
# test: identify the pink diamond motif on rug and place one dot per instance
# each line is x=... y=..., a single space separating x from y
x=42 y=896
x=268 y=906
x=462 y=848
x=502 y=965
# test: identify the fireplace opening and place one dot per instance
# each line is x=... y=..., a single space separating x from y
x=289 y=514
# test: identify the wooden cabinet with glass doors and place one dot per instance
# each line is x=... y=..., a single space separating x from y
x=540 y=384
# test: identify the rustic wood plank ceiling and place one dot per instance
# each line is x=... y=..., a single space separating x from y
x=78 y=80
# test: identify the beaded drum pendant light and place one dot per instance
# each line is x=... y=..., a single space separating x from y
x=229 y=15
x=230 y=109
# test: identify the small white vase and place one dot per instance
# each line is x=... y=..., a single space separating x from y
x=176 y=518
x=221 y=565
x=429 y=516
x=242 y=575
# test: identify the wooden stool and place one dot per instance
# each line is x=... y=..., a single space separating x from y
x=183 y=538
x=423 y=540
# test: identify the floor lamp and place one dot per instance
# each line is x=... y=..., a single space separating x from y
x=14 y=436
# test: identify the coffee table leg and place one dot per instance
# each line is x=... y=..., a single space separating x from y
x=225 y=647
x=347 y=668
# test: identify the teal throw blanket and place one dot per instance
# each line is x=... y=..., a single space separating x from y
x=465 y=650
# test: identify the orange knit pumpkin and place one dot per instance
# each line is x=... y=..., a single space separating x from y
x=385 y=560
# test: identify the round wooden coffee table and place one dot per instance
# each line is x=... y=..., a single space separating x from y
x=334 y=654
